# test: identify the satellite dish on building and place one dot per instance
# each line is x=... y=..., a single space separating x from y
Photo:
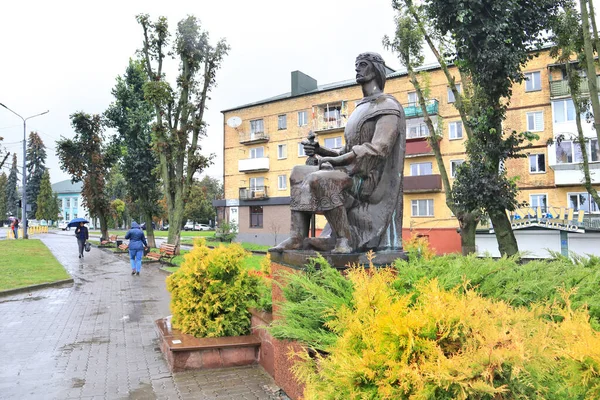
x=234 y=122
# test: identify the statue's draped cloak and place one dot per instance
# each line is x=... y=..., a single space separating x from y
x=370 y=188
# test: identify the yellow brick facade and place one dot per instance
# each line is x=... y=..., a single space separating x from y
x=522 y=102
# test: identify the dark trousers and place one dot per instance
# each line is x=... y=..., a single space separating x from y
x=80 y=243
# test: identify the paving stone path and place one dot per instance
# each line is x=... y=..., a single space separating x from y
x=95 y=339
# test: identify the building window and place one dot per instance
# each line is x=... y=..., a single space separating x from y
x=257 y=183
x=333 y=143
x=539 y=200
x=281 y=151
x=582 y=201
x=537 y=163
x=281 y=122
x=564 y=111
x=418 y=131
x=302 y=118
x=454 y=164
x=256 y=217
x=535 y=121
x=301 y=152
x=75 y=203
x=67 y=215
x=451 y=98
x=257 y=152
x=412 y=99
x=257 y=126
x=417 y=169
x=568 y=152
x=68 y=202
x=533 y=81
x=282 y=182
x=422 y=208
x=455 y=129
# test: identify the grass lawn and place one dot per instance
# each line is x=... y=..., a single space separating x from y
x=26 y=263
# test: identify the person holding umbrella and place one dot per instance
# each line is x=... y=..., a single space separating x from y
x=137 y=243
x=82 y=235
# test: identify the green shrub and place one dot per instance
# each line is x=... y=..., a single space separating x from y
x=507 y=279
x=211 y=292
x=311 y=297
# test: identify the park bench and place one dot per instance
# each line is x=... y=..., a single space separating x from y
x=112 y=239
x=166 y=252
x=123 y=247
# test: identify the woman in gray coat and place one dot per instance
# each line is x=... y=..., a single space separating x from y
x=137 y=244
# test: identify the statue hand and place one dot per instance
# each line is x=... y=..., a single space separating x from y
x=310 y=149
x=326 y=163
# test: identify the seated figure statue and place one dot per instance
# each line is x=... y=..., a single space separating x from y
x=358 y=188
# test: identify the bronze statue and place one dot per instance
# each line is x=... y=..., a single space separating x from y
x=358 y=188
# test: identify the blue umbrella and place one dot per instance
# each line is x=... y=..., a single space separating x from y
x=75 y=222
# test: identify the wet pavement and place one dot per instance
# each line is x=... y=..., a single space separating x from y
x=95 y=339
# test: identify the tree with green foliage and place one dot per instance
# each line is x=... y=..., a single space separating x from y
x=12 y=197
x=491 y=42
x=179 y=111
x=3 y=184
x=198 y=207
x=408 y=44
x=117 y=208
x=36 y=165
x=132 y=116
x=47 y=201
x=87 y=160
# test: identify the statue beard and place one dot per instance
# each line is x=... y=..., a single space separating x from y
x=365 y=79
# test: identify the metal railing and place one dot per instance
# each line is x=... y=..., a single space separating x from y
x=253 y=137
x=254 y=193
x=412 y=110
x=561 y=88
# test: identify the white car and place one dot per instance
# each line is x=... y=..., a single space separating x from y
x=202 y=227
x=189 y=226
x=64 y=225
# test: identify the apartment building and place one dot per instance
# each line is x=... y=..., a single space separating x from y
x=262 y=144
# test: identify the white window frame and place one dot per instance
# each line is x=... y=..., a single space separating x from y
x=420 y=131
x=301 y=152
x=280 y=180
x=536 y=156
x=575 y=152
x=252 y=152
x=590 y=199
x=281 y=151
x=279 y=124
x=302 y=118
x=428 y=205
x=564 y=104
x=336 y=140
x=452 y=130
x=531 y=117
x=254 y=128
x=255 y=180
x=451 y=98
x=531 y=81
x=74 y=202
x=531 y=196
x=68 y=203
x=411 y=101
x=454 y=164
x=419 y=166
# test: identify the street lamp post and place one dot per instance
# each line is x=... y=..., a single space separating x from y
x=24 y=198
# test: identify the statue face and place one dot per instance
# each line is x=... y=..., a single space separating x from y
x=365 y=71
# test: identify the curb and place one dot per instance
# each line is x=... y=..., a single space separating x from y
x=35 y=287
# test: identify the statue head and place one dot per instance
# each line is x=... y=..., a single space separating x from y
x=374 y=69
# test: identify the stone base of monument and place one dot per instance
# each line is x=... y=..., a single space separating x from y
x=297 y=259
x=185 y=352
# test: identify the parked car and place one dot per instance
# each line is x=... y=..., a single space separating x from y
x=189 y=226
x=64 y=225
x=165 y=227
x=202 y=227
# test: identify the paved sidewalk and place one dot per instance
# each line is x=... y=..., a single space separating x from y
x=95 y=339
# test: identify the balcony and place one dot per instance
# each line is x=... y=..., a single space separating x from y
x=253 y=137
x=422 y=184
x=417 y=148
x=254 y=193
x=330 y=117
x=253 y=164
x=561 y=88
x=413 y=110
x=572 y=174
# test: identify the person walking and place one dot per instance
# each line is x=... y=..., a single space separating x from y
x=15 y=228
x=137 y=243
x=82 y=235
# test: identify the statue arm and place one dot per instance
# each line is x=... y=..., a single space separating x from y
x=384 y=138
x=326 y=152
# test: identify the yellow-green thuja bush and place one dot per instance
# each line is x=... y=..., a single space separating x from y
x=211 y=292
x=438 y=344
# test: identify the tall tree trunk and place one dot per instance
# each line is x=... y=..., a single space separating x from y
x=176 y=221
x=507 y=243
x=150 y=230
x=103 y=226
x=590 y=66
x=468 y=227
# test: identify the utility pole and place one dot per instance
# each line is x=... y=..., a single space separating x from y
x=24 y=198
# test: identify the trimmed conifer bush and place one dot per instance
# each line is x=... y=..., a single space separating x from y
x=211 y=292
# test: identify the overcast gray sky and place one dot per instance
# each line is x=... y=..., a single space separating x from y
x=64 y=56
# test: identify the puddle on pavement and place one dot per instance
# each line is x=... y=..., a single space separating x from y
x=77 y=382
x=145 y=391
x=67 y=348
x=29 y=298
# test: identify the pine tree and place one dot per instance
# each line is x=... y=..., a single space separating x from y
x=36 y=160
x=12 y=198
x=3 y=183
x=47 y=206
